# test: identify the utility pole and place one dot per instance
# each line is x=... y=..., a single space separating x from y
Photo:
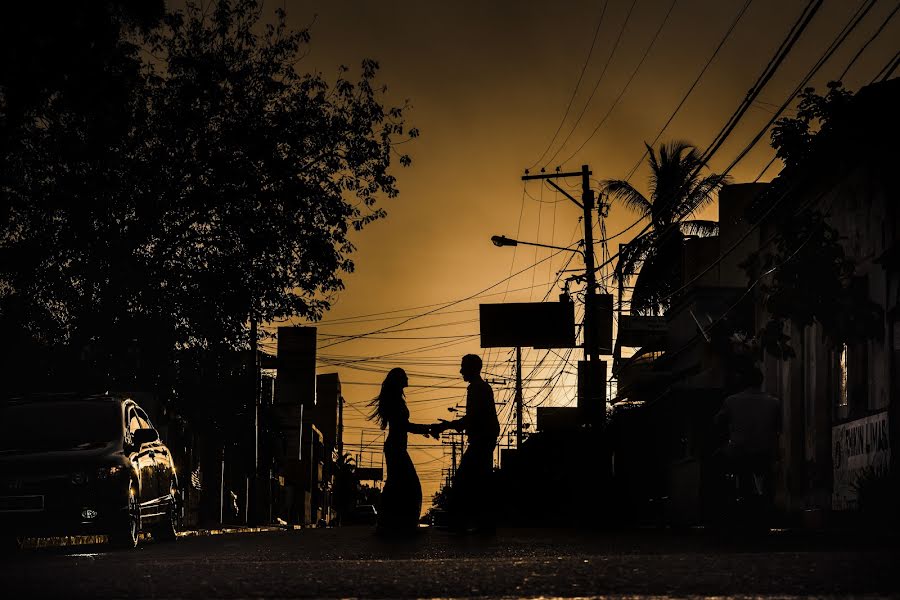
x=256 y=378
x=518 y=396
x=587 y=197
x=591 y=352
x=618 y=351
x=453 y=446
x=453 y=460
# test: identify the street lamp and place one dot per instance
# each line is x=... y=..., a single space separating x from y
x=502 y=240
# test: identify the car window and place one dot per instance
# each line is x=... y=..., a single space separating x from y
x=58 y=425
x=143 y=419
x=134 y=421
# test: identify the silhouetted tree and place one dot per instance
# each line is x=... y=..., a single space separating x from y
x=68 y=77
x=222 y=188
x=81 y=53
x=346 y=486
x=805 y=275
x=794 y=138
x=677 y=192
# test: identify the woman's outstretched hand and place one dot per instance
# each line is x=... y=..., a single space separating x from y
x=435 y=430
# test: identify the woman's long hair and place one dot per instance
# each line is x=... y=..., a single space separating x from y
x=390 y=400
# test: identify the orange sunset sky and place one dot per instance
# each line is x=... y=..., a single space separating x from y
x=489 y=83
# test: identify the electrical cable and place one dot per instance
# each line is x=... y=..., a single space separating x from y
x=869 y=41
x=407 y=320
x=769 y=70
x=888 y=69
x=798 y=28
x=625 y=88
x=597 y=85
x=687 y=94
x=835 y=44
x=577 y=85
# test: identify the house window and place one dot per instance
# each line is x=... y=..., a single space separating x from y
x=843 y=379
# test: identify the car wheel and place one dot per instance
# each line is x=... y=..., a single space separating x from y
x=126 y=537
x=167 y=528
x=10 y=544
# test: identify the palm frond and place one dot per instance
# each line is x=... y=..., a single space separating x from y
x=630 y=197
x=702 y=193
x=659 y=277
x=677 y=191
x=700 y=227
x=634 y=253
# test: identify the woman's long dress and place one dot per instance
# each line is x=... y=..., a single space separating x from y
x=401 y=498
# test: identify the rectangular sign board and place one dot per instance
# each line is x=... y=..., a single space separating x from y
x=592 y=385
x=859 y=449
x=369 y=473
x=641 y=332
x=603 y=322
x=528 y=324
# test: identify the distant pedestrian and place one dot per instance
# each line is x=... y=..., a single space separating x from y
x=471 y=494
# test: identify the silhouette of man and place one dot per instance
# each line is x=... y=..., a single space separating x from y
x=753 y=420
x=471 y=495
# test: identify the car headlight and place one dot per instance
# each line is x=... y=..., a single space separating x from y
x=98 y=474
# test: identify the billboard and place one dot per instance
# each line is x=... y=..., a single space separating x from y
x=295 y=387
x=592 y=386
x=528 y=324
x=642 y=332
x=603 y=322
x=369 y=473
x=860 y=449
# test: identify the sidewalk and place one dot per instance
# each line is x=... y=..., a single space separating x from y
x=83 y=540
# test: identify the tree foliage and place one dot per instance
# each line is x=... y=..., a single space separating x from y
x=220 y=186
x=677 y=191
x=805 y=274
x=806 y=278
x=794 y=138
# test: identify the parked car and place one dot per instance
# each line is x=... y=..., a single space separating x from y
x=362 y=514
x=84 y=465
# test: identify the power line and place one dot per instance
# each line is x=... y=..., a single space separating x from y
x=835 y=44
x=687 y=94
x=627 y=83
x=365 y=317
x=779 y=56
x=769 y=70
x=698 y=336
x=888 y=69
x=389 y=327
x=577 y=85
x=869 y=41
x=599 y=79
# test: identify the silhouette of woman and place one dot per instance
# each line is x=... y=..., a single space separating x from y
x=401 y=498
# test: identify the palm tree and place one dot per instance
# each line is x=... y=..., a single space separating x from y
x=346 y=486
x=677 y=192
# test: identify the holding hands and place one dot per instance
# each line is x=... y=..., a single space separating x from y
x=436 y=429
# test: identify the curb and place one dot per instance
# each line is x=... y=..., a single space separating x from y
x=230 y=530
x=87 y=540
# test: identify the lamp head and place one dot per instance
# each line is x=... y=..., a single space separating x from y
x=502 y=240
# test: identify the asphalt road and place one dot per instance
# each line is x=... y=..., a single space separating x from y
x=353 y=562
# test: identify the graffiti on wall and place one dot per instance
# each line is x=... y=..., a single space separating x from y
x=859 y=448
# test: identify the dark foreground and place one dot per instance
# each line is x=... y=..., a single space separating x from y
x=352 y=562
